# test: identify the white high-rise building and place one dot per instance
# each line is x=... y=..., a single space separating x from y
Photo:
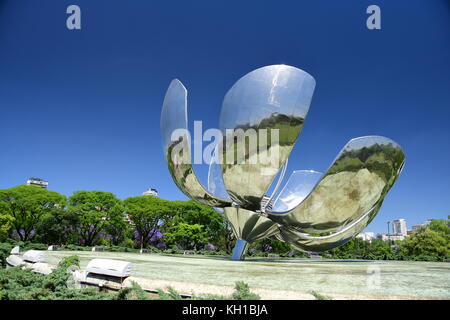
x=37 y=182
x=366 y=236
x=150 y=192
x=399 y=227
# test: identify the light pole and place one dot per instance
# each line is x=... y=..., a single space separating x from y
x=388 y=238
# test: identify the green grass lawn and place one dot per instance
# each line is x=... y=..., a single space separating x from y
x=407 y=278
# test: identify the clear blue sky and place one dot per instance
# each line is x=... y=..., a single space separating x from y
x=81 y=108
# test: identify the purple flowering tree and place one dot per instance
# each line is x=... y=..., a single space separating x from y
x=98 y=212
x=154 y=238
x=146 y=214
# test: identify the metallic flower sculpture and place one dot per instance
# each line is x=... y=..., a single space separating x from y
x=313 y=211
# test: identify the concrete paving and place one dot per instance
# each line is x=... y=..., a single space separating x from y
x=344 y=279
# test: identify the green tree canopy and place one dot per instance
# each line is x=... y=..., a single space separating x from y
x=426 y=242
x=98 y=212
x=191 y=212
x=441 y=226
x=6 y=223
x=187 y=236
x=27 y=205
x=360 y=249
x=146 y=213
x=58 y=227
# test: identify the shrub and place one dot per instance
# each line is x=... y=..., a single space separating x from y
x=242 y=292
x=69 y=261
x=119 y=249
x=19 y=284
x=129 y=243
x=5 y=249
x=135 y=292
x=72 y=247
x=319 y=296
x=34 y=246
x=171 y=294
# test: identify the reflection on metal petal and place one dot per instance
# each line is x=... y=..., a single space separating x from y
x=267 y=205
x=215 y=182
x=249 y=226
x=358 y=180
x=305 y=242
x=268 y=101
x=299 y=185
x=177 y=148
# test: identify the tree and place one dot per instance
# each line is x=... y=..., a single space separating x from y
x=360 y=249
x=214 y=225
x=117 y=231
x=441 y=226
x=146 y=214
x=187 y=236
x=58 y=227
x=27 y=205
x=98 y=213
x=425 y=242
x=6 y=223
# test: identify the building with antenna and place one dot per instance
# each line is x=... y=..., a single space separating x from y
x=37 y=182
x=150 y=192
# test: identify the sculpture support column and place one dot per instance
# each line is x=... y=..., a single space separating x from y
x=239 y=250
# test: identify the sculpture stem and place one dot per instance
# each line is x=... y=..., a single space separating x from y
x=239 y=250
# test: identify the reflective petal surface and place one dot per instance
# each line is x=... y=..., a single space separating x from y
x=215 y=182
x=268 y=105
x=249 y=226
x=357 y=181
x=299 y=185
x=177 y=146
x=305 y=242
x=266 y=204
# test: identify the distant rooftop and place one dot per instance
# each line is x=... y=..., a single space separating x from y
x=36 y=179
x=37 y=182
x=150 y=192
